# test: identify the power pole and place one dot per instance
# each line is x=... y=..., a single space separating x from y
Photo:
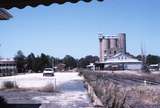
x=52 y=62
x=0 y=53
x=144 y=61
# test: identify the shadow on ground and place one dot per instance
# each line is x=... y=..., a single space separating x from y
x=20 y=105
x=71 y=86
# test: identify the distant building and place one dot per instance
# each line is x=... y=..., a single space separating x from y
x=113 y=55
x=60 y=67
x=124 y=62
x=7 y=67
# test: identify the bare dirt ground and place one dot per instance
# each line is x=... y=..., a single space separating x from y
x=70 y=91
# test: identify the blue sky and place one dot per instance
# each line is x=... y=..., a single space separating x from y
x=73 y=29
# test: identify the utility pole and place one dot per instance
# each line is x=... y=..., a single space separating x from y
x=0 y=51
x=144 y=60
x=52 y=62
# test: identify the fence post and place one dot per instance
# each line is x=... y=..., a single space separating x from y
x=55 y=83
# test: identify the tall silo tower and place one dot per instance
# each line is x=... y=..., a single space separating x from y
x=122 y=42
x=113 y=42
x=111 y=45
x=102 y=46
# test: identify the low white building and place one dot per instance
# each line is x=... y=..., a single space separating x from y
x=121 y=61
x=126 y=61
x=7 y=66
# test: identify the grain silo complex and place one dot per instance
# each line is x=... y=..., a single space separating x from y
x=113 y=53
x=112 y=45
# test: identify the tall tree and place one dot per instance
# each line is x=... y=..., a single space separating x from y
x=20 y=61
x=45 y=59
x=153 y=59
x=37 y=66
x=31 y=62
x=70 y=62
x=41 y=62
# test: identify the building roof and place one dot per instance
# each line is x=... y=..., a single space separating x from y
x=122 y=58
x=4 y=15
x=7 y=61
x=101 y=36
x=8 y=4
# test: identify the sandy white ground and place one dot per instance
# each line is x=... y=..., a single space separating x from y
x=28 y=80
x=71 y=92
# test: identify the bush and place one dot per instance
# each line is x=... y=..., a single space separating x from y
x=110 y=94
x=9 y=85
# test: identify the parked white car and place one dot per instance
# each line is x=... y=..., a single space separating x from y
x=48 y=72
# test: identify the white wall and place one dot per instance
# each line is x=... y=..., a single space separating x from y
x=133 y=66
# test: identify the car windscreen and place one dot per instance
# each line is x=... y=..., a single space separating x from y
x=48 y=70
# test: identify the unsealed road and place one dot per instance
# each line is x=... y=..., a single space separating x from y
x=70 y=91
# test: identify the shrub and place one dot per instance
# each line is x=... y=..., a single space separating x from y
x=9 y=85
x=110 y=94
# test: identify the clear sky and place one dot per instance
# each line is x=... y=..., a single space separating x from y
x=73 y=29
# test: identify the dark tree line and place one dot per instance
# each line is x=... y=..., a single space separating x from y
x=38 y=63
x=150 y=59
x=32 y=62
